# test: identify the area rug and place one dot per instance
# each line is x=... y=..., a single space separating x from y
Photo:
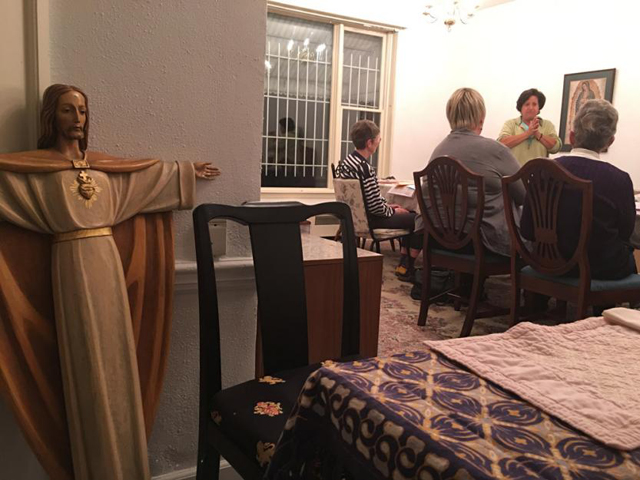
x=399 y=330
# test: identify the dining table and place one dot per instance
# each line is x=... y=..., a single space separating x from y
x=419 y=415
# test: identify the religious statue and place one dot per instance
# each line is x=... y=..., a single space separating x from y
x=77 y=196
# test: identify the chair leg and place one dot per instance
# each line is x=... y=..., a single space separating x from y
x=515 y=301
x=457 y=304
x=208 y=467
x=338 y=236
x=561 y=305
x=393 y=244
x=474 y=299
x=581 y=308
x=426 y=290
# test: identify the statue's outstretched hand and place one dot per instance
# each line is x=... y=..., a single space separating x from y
x=205 y=170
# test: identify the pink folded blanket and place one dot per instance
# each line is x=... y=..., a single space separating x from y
x=586 y=373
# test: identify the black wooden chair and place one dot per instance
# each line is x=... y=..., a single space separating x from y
x=442 y=188
x=546 y=268
x=243 y=422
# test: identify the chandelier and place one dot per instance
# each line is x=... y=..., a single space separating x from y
x=451 y=11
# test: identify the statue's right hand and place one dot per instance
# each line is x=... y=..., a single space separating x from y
x=206 y=171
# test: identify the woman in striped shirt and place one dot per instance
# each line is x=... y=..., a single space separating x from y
x=365 y=136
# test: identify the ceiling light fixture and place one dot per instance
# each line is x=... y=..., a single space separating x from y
x=451 y=11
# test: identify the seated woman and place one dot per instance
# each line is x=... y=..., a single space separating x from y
x=529 y=136
x=365 y=136
x=466 y=113
x=614 y=214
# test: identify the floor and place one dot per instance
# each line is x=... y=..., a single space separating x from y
x=399 y=330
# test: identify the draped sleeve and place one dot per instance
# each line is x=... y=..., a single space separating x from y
x=160 y=187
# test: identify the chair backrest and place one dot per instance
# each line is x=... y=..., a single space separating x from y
x=546 y=183
x=279 y=274
x=442 y=188
x=349 y=191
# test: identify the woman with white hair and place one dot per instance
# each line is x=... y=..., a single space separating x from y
x=610 y=253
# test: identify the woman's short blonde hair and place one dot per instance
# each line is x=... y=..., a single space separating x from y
x=465 y=109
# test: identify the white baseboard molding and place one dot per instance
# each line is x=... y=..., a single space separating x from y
x=226 y=473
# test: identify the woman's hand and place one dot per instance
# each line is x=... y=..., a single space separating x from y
x=398 y=209
x=205 y=170
x=534 y=127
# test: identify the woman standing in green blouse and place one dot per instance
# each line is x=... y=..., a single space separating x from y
x=529 y=136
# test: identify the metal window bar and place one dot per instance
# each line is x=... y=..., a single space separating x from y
x=268 y=67
x=366 y=89
x=277 y=114
x=375 y=85
x=359 y=72
x=286 y=140
x=324 y=112
x=295 y=159
x=367 y=71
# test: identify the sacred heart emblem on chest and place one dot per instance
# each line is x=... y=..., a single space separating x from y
x=85 y=188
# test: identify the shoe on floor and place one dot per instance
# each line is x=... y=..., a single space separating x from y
x=401 y=270
x=406 y=277
x=403 y=267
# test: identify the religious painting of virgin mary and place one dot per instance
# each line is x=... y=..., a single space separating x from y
x=578 y=88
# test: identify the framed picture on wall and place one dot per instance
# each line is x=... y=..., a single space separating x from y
x=578 y=88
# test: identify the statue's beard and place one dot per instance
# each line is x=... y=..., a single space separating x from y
x=73 y=134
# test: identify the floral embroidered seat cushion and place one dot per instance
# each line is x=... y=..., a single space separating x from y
x=253 y=413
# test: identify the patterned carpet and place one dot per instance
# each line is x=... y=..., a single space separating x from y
x=399 y=330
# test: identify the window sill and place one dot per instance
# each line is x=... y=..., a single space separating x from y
x=305 y=195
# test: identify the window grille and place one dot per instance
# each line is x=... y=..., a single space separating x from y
x=298 y=86
x=361 y=68
x=298 y=69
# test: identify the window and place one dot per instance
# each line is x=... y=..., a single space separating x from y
x=320 y=78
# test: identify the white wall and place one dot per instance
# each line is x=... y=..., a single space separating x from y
x=504 y=50
x=177 y=81
x=13 y=85
x=494 y=55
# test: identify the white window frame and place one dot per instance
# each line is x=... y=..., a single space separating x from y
x=388 y=33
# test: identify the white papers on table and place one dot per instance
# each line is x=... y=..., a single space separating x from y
x=403 y=190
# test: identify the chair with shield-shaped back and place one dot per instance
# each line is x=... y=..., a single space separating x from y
x=452 y=218
x=547 y=270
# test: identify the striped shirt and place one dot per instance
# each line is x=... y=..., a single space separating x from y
x=356 y=166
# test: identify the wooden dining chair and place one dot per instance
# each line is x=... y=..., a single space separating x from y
x=546 y=269
x=450 y=224
x=243 y=422
x=351 y=192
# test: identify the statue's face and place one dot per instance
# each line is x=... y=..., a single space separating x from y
x=71 y=115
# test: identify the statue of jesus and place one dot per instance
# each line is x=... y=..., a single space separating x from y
x=76 y=195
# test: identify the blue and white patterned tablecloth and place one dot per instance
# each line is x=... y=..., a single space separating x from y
x=421 y=416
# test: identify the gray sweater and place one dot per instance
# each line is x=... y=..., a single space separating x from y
x=493 y=161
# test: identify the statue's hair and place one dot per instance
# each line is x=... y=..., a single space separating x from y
x=48 y=126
